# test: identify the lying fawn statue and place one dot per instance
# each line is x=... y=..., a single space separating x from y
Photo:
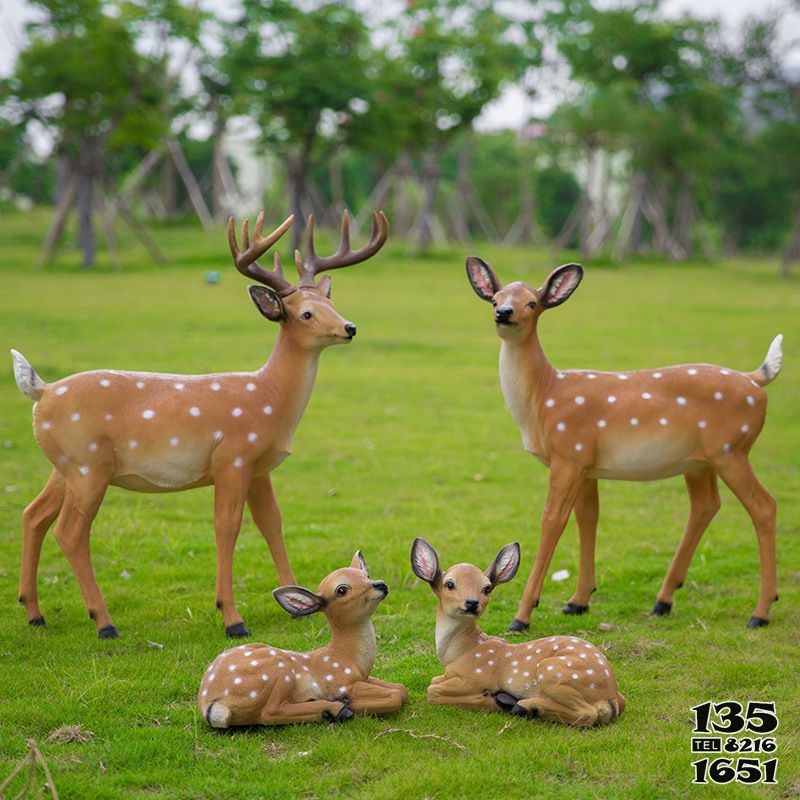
x=257 y=684
x=559 y=678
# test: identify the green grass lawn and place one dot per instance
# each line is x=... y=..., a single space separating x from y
x=406 y=435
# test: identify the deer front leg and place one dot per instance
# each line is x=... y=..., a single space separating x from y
x=267 y=516
x=230 y=490
x=311 y=711
x=587 y=511
x=36 y=521
x=454 y=691
x=566 y=479
x=704 y=504
x=391 y=685
x=368 y=697
x=72 y=534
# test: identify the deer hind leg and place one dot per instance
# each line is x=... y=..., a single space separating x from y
x=230 y=490
x=587 y=512
x=704 y=504
x=267 y=517
x=760 y=504
x=72 y=532
x=560 y=703
x=36 y=521
x=566 y=480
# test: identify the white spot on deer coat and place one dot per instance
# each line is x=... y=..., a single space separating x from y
x=251 y=387
x=75 y=417
x=691 y=371
x=664 y=421
x=251 y=437
x=550 y=402
x=561 y=426
x=612 y=399
x=634 y=421
x=140 y=384
x=132 y=444
x=148 y=413
x=681 y=401
x=718 y=395
x=646 y=395
x=194 y=411
x=105 y=382
x=267 y=409
x=84 y=470
x=215 y=387
x=580 y=400
x=237 y=412
x=601 y=423
x=657 y=375
x=701 y=424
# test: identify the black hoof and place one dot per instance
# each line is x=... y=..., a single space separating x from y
x=344 y=715
x=37 y=622
x=237 y=631
x=517 y=625
x=662 y=609
x=108 y=632
x=505 y=701
x=519 y=711
x=757 y=622
x=574 y=609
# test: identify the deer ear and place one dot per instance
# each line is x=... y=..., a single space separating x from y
x=560 y=284
x=505 y=565
x=268 y=303
x=359 y=563
x=324 y=285
x=425 y=562
x=299 y=602
x=482 y=278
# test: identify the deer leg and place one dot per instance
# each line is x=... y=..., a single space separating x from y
x=760 y=504
x=587 y=511
x=566 y=480
x=390 y=685
x=72 y=534
x=36 y=521
x=455 y=691
x=704 y=504
x=267 y=517
x=566 y=709
x=367 y=697
x=311 y=711
x=230 y=490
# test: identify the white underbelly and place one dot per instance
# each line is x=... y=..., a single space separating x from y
x=171 y=470
x=644 y=459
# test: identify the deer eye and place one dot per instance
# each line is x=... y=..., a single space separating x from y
x=532 y=304
x=449 y=585
x=342 y=590
x=494 y=302
x=306 y=315
x=487 y=590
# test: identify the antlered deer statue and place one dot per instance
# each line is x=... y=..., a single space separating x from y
x=152 y=432
x=698 y=420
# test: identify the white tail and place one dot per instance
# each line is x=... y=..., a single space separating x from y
x=29 y=383
x=157 y=433
x=258 y=684
x=772 y=364
x=698 y=420
x=560 y=678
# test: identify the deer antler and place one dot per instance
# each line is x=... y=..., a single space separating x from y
x=311 y=264
x=246 y=261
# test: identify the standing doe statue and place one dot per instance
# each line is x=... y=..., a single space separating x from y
x=697 y=420
x=257 y=684
x=152 y=432
x=559 y=678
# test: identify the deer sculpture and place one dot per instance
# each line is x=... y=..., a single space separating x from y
x=560 y=678
x=151 y=432
x=698 y=420
x=257 y=684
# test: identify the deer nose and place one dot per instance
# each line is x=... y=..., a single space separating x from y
x=503 y=313
x=471 y=605
x=381 y=587
x=351 y=329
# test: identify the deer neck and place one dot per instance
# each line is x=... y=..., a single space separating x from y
x=355 y=641
x=525 y=377
x=288 y=377
x=454 y=637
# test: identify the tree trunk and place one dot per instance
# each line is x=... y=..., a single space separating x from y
x=431 y=172
x=585 y=223
x=169 y=187
x=298 y=179
x=85 y=197
x=463 y=187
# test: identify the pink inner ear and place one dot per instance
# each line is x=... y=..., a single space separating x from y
x=482 y=280
x=426 y=562
x=503 y=568
x=298 y=601
x=564 y=284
